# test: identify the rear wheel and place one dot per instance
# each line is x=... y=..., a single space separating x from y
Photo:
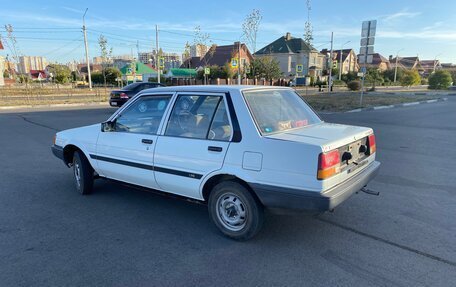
x=235 y=211
x=83 y=173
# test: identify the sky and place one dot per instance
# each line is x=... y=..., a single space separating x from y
x=53 y=28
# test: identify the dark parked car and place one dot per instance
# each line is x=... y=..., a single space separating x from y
x=120 y=97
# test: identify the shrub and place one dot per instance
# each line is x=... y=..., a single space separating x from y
x=410 y=78
x=354 y=85
x=350 y=76
x=440 y=80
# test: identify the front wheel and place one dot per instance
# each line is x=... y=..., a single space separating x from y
x=83 y=173
x=235 y=211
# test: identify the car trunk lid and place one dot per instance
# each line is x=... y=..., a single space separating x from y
x=350 y=141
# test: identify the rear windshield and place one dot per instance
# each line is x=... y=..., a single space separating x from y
x=131 y=87
x=279 y=110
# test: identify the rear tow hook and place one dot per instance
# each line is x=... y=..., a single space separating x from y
x=368 y=191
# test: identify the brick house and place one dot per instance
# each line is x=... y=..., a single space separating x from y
x=221 y=55
x=379 y=62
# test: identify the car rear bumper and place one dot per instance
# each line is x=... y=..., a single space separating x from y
x=280 y=199
x=117 y=102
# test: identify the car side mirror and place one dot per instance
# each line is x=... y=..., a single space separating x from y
x=108 y=126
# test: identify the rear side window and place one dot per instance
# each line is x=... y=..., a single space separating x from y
x=279 y=110
x=201 y=117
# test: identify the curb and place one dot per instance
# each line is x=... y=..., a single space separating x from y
x=55 y=105
x=397 y=106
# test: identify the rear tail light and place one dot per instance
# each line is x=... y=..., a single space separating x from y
x=328 y=164
x=123 y=96
x=371 y=144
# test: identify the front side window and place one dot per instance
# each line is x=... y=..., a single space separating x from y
x=279 y=110
x=144 y=115
x=201 y=117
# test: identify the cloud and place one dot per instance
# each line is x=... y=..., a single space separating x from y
x=424 y=34
x=78 y=11
x=404 y=14
x=437 y=24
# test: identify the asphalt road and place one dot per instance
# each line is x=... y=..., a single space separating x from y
x=120 y=236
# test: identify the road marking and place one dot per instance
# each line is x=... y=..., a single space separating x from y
x=383 y=107
x=410 y=104
x=355 y=111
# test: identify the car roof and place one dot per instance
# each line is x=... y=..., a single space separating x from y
x=212 y=88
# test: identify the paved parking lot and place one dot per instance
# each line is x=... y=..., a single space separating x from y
x=120 y=236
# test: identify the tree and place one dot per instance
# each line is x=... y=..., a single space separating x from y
x=388 y=75
x=374 y=76
x=308 y=37
x=111 y=74
x=106 y=54
x=97 y=78
x=410 y=78
x=228 y=73
x=440 y=80
x=186 y=53
x=267 y=67
x=202 y=38
x=453 y=76
x=60 y=73
x=250 y=28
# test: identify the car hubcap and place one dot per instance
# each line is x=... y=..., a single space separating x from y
x=231 y=212
x=77 y=175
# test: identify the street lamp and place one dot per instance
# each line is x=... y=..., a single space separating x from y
x=395 y=68
x=340 y=60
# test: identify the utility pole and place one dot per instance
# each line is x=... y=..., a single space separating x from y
x=239 y=63
x=341 y=67
x=330 y=63
x=86 y=49
x=395 y=66
x=157 y=62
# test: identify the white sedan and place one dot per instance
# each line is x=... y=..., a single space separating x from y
x=240 y=149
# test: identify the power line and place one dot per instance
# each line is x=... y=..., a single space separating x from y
x=44 y=28
x=63 y=46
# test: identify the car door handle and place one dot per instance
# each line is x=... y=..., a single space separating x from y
x=147 y=141
x=214 y=148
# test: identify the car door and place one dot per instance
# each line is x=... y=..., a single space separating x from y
x=127 y=152
x=193 y=144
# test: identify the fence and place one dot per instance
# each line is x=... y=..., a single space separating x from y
x=48 y=94
x=218 y=81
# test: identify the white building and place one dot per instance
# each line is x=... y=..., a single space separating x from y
x=198 y=50
x=27 y=63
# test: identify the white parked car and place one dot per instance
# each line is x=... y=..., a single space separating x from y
x=240 y=149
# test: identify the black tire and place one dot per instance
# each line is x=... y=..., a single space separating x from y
x=235 y=211
x=82 y=173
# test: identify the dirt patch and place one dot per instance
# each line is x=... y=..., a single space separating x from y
x=337 y=102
